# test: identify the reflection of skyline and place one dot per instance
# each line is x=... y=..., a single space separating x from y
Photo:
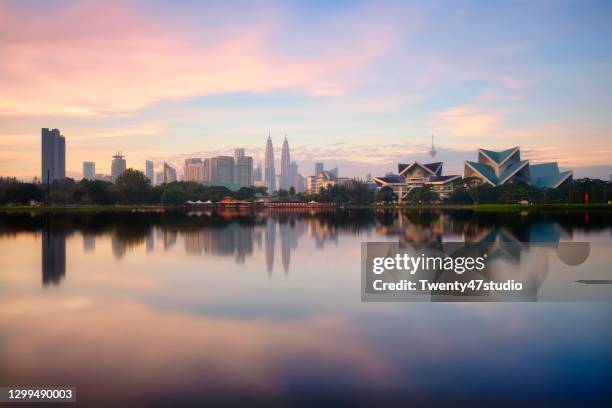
x=241 y=236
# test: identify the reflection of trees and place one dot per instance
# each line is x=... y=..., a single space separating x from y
x=234 y=233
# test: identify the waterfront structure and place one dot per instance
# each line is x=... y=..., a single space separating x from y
x=150 y=170
x=118 y=166
x=53 y=155
x=222 y=169
x=499 y=167
x=269 y=172
x=89 y=170
x=244 y=171
x=418 y=175
x=318 y=169
x=194 y=170
x=169 y=173
x=285 y=179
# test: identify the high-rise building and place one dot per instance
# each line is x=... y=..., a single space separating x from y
x=257 y=175
x=118 y=166
x=150 y=171
x=89 y=170
x=194 y=170
x=285 y=180
x=244 y=171
x=159 y=178
x=206 y=169
x=318 y=169
x=53 y=155
x=222 y=169
x=269 y=172
x=293 y=173
x=169 y=173
x=299 y=183
x=238 y=152
x=334 y=171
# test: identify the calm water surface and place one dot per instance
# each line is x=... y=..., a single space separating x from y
x=152 y=308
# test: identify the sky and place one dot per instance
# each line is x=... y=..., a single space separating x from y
x=361 y=85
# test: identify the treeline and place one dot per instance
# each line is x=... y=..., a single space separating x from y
x=132 y=187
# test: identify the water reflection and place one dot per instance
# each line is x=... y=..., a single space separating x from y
x=222 y=234
x=53 y=256
x=174 y=308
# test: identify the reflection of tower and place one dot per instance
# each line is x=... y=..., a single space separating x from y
x=150 y=240
x=269 y=172
x=53 y=256
x=118 y=246
x=89 y=242
x=269 y=243
x=285 y=231
x=169 y=239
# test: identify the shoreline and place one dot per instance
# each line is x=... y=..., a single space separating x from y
x=77 y=208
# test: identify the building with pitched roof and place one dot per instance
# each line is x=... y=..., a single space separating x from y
x=417 y=175
x=499 y=167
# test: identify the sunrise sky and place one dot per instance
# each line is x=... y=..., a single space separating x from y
x=361 y=85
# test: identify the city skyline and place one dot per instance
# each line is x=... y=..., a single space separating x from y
x=364 y=90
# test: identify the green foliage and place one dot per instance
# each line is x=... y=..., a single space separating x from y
x=385 y=195
x=422 y=195
x=133 y=187
x=14 y=192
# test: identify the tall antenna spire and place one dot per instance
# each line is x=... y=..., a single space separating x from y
x=433 y=151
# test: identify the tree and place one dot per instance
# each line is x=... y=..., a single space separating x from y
x=385 y=195
x=133 y=187
x=174 y=195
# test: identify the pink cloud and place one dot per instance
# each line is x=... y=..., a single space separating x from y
x=96 y=58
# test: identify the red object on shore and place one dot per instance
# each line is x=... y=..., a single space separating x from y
x=586 y=198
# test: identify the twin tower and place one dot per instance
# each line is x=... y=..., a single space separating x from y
x=286 y=178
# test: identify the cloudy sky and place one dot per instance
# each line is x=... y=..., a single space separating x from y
x=359 y=84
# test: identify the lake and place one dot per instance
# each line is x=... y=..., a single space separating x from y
x=265 y=307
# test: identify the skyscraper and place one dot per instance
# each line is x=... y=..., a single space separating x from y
x=269 y=172
x=117 y=166
x=238 y=152
x=169 y=173
x=318 y=169
x=244 y=171
x=89 y=170
x=53 y=155
x=222 y=169
x=150 y=171
x=257 y=176
x=285 y=180
x=194 y=170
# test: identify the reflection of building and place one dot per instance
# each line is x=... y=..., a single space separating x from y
x=417 y=175
x=53 y=155
x=89 y=242
x=269 y=243
x=53 y=256
x=285 y=237
x=118 y=166
x=497 y=168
